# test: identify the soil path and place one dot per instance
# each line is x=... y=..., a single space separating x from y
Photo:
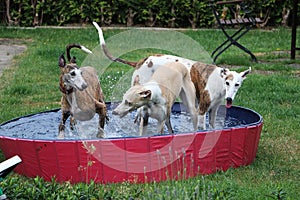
x=8 y=49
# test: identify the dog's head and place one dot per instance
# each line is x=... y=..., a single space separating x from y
x=233 y=81
x=134 y=98
x=71 y=75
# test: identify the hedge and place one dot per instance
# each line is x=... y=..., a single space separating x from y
x=159 y=13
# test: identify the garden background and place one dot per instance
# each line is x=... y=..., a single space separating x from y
x=171 y=14
x=30 y=85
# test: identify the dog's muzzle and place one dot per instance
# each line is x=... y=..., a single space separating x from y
x=84 y=86
x=228 y=102
x=114 y=112
x=81 y=87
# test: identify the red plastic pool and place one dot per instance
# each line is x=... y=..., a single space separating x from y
x=139 y=159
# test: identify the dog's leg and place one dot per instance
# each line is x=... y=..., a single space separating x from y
x=141 y=113
x=61 y=128
x=189 y=102
x=102 y=119
x=143 y=119
x=188 y=98
x=202 y=121
x=137 y=119
x=138 y=116
x=160 y=126
x=213 y=115
x=102 y=116
x=141 y=128
x=169 y=126
x=194 y=117
x=102 y=112
x=72 y=123
x=100 y=133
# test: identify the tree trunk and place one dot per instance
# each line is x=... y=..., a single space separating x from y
x=193 y=22
x=172 y=20
x=17 y=20
x=194 y=19
x=151 y=19
x=7 y=2
x=265 y=20
x=34 y=13
x=130 y=17
x=42 y=13
x=102 y=16
x=194 y=15
x=285 y=16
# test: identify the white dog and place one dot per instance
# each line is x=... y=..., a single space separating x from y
x=218 y=84
x=157 y=96
x=212 y=85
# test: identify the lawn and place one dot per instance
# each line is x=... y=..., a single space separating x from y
x=30 y=85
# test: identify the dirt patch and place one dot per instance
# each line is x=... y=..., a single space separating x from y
x=8 y=49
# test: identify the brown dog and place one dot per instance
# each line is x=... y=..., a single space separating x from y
x=82 y=95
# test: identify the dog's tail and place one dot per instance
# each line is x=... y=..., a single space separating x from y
x=106 y=52
x=70 y=46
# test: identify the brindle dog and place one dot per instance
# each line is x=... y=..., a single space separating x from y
x=82 y=95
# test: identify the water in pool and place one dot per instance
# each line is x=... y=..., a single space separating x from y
x=45 y=126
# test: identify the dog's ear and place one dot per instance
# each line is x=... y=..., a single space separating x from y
x=136 y=80
x=244 y=73
x=62 y=61
x=224 y=72
x=146 y=94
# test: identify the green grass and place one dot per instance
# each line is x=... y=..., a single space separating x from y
x=31 y=85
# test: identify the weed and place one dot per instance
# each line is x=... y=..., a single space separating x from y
x=279 y=194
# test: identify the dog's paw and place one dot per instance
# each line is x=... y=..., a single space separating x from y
x=61 y=135
x=100 y=133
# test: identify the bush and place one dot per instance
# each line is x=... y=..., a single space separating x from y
x=174 y=13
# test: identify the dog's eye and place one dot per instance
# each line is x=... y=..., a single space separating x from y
x=227 y=83
x=128 y=103
x=73 y=73
x=237 y=85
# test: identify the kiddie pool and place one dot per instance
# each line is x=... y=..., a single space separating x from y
x=138 y=159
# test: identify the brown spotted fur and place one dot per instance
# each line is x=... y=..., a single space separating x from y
x=199 y=75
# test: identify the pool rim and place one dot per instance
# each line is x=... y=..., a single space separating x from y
x=145 y=136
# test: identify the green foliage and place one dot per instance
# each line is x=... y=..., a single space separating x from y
x=174 y=13
x=275 y=7
x=18 y=187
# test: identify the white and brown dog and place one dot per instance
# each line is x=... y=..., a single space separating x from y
x=213 y=84
x=82 y=95
x=157 y=96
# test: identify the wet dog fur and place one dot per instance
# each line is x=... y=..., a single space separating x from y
x=82 y=95
x=208 y=96
x=157 y=96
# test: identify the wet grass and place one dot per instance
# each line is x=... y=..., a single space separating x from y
x=272 y=89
